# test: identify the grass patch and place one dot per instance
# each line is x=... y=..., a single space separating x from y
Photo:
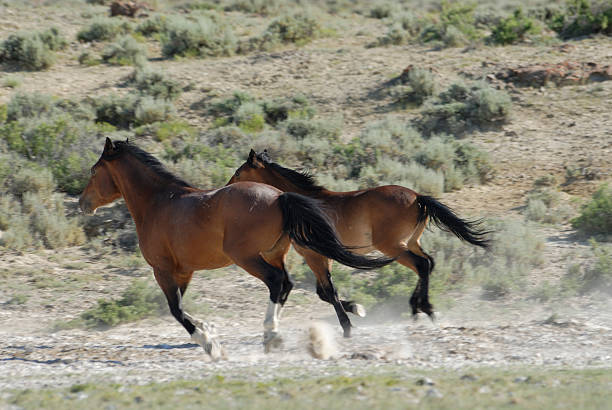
x=390 y=387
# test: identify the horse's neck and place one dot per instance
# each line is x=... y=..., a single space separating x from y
x=138 y=186
x=286 y=186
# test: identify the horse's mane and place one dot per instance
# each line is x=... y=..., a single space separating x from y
x=150 y=161
x=303 y=180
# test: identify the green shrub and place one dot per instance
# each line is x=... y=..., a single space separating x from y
x=463 y=106
x=150 y=110
x=202 y=37
x=27 y=51
x=116 y=110
x=598 y=276
x=88 y=59
x=456 y=25
x=297 y=29
x=11 y=82
x=153 y=25
x=513 y=29
x=403 y=28
x=596 y=215
x=125 y=51
x=250 y=117
x=155 y=84
x=420 y=85
x=383 y=10
x=261 y=7
x=104 y=29
x=54 y=133
x=168 y=130
x=583 y=17
x=137 y=302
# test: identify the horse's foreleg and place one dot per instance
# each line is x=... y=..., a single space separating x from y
x=200 y=332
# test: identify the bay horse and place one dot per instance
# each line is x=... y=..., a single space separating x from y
x=390 y=219
x=182 y=229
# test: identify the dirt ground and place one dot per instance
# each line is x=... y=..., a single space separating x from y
x=552 y=129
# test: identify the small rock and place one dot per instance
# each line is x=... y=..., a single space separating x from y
x=425 y=381
x=522 y=379
x=433 y=392
x=469 y=378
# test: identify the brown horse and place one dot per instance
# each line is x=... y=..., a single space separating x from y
x=390 y=219
x=182 y=229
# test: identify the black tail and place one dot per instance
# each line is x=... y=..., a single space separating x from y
x=444 y=218
x=309 y=227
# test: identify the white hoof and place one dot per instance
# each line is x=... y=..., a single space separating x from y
x=359 y=310
x=210 y=345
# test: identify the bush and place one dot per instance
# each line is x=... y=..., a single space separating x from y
x=513 y=29
x=125 y=51
x=455 y=27
x=104 y=29
x=54 y=133
x=28 y=51
x=463 y=106
x=203 y=37
x=150 y=110
x=88 y=59
x=420 y=85
x=250 y=117
x=583 y=17
x=596 y=215
x=137 y=302
x=155 y=84
x=297 y=29
x=153 y=25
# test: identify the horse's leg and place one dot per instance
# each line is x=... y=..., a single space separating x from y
x=274 y=279
x=321 y=267
x=200 y=332
x=421 y=263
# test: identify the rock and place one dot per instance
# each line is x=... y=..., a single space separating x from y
x=425 y=381
x=561 y=74
x=363 y=356
x=433 y=392
x=127 y=8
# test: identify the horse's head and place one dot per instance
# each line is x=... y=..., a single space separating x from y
x=101 y=189
x=254 y=169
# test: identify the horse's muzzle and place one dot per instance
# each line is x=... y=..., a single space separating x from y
x=86 y=207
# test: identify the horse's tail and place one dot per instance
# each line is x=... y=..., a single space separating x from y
x=444 y=218
x=308 y=226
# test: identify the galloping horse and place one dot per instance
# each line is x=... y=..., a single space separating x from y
x=182 y=229
x=390 y=219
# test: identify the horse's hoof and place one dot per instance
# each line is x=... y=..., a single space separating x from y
x=359 y=310
x=272 y=340
x=347 y=332
x=215 y=350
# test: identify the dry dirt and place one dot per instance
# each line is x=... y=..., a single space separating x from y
x=551 y=129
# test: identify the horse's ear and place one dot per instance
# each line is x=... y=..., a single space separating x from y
x=252 y=155
x=127 y=140
x=109 y=146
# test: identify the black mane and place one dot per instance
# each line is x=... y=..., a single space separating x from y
x=301 y=179
x=150 y=161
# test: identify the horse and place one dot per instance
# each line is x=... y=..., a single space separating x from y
x=182 y=229
x=390 y=219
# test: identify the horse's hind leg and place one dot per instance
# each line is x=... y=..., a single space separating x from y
x=275 y=279
x=200 y=332
x=321 y=267
x=413 y=257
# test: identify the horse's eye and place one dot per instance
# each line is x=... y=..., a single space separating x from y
x=93 y=172
x=237 y=173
